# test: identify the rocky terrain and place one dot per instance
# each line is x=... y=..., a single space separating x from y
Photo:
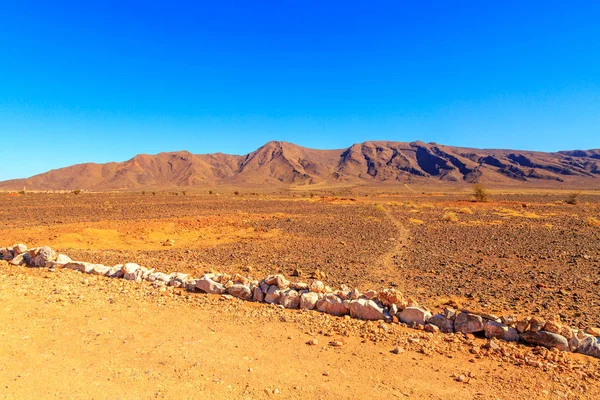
x=285 y=164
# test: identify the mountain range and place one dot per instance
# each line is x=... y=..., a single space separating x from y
x=286 y=164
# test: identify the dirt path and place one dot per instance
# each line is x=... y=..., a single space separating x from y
x=66 y=335
x=386 y=267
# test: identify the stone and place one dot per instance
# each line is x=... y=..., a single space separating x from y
x=366 y=309
x=449 y=313
x=393 y=310
x=39 y=256
x=593 y=331
x=389 y=297
x=308 y=300
x=272 y=295
x=468 y=323
x=209 y=286
x=370 y=294
x=332 y=305
x=6 y=254
x=264 y=286
x=414 y=315
x=523 y=325
x=115 y=272
x=431 y=328
x=289 y=299
x=446 y=325
x=546 y=339
x=258 y=295
x=159 y=276
x=278 y=280
x=500 y=331
x=130 y=271
x=19 y=249
x=590 y=346
x=536 y=324
x=553 y=326
x=77 y=265
x=317 y=287
x=99 y=269
x=240 y=291
x=298 y=286
x=18 y=259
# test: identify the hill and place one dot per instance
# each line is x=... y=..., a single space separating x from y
x=284 y=164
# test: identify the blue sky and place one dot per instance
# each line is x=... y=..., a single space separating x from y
x=107 y=80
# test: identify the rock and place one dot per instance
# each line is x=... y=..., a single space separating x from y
x=590 y=346
x=6 y=254
x=99 y=269
x=19 y=259
x=240 y=291
x=130 y=271
x=500 y=331
x=397 y=350
x=553 y=325
x=298 y=286
x=366 y=309
x=317 y=287
x=289 y=299
x=354 y=294
x=258 y=295
x=263 y=286
x=468 y=323
x=312 y=342
x=209 y=286
x=446 y=325
x=593 y=331
x=523 y=325
x=319 y=275
x=62 y=259
x=393 y=310
x=536 y=324
x=414 y=315
x=297 y=272
x=370 y=294
x=272 y=296
x=332 y=305
x=278 y=280
x=77 y=265
x=389 y=297
x=431 y=328
x=546 y=339
x=160 y=276
x=115 y=272
x=308 y=300
x=19 y=249
x=449 y=313
x=39 y=256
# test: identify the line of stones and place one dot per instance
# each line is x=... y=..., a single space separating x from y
x=389 y=304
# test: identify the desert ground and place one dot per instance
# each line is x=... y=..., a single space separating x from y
x=68 y=335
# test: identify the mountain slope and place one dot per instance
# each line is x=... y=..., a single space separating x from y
x=281 y=163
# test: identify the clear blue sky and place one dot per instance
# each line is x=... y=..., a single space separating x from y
x=102 y=82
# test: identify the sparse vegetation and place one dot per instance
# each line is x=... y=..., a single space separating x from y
x=210 y=192
x=380 y=207
x=592 y=221
x=465 y=210
x=480 y=193
x=450 y=217
x=236 y=193
x=77 y=191
x=183 y=192
x=573 y=199
x=416 y=221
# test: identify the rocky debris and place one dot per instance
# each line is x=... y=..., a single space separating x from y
x=414 y=316
x=332 y=305
x=207 y=285
x=389 y=297
x=366 y=309
x=500 y=331
x=308 y=300
x=289 y=298
x=468 y=323
x=240 y=291
x=6 y=254
x=40 y=255
x=546 y=339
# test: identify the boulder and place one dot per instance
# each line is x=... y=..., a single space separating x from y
x=19 y=259
x=289 y=299
x=590 y=346
x=278 y=280
x=500 y=331
x=159 y=276
x=332 y=304
x=6 y=254
x=115 y=272
x=308 y=300
x=272 y=295
x=468 y=323
x=207 y=285
x=240 y=291
x=130 y=271
x=99 y=269
x=536 y=324
x=19 y=249
x=77 y=265
x=258 y=295
x=366 y=309
x=388 y=297
x=317 y=287
x=446 y=325
x=414 y=315
x=546 y=339
x=40 y=255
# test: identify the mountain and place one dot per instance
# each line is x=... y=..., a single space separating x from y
x=282 y=164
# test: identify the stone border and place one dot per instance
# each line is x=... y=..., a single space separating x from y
x=388 y=304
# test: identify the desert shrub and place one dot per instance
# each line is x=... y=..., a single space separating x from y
x=210 y=192
x=143 y=192
x=450 y=217
x=183 y=192
x=153 y=193
x=379 y=207
x=465 y=210
x=236 y=193
x=416 y=221
x=77 y=191
x=591 y=221
x=572 y=199
x=480 y=193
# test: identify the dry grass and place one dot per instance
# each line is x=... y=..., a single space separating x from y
x=450 y=217
x=380 y=207
x=416 y=221
x=465 y=210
